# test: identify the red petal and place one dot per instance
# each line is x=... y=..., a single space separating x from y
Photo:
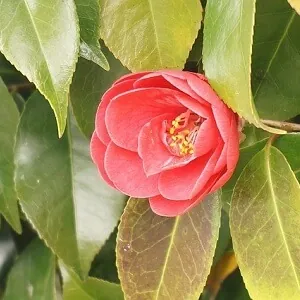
x=125 y=169
x=106 y=98
x=232 y=155
x=170 y=208
x=207 y=137
x=129 y=112
x=98 y=152
x=131 y=76
x=178 y=184
x=153 y=151
x=154 y=80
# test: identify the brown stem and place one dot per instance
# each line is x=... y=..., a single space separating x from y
x=20 y=86
x=282 y=125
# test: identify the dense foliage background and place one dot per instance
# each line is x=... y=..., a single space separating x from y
x=58 y=227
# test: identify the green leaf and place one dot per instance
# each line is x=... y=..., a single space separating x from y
x=289 y=145
x=227 y=54
x=89 y=84
x=264 y=223
x=89 y=19
x=9 y=73
x=276 y=60
x=9 y=119
x=41 y=39
x=166 y=258
x=90 y=289
x=94 y=54
x=60 y=189
x=246 y=154
x=33 y=275
x=253 y=135
x=144 y=37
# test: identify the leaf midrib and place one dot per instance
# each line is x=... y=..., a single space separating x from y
x=289 y=23
x=175 y=226
x=42 y=51
x=273 y=196
x=155 y=31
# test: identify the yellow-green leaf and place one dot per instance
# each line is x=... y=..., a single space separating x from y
x=40 y=37
x=295 y=4
x=166 y=258
x=265 y=222
x=150 y=34
x=227 y=54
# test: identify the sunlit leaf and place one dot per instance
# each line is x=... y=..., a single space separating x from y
x=295 y=4
x=143 y=37
x=276 y=60
x=33 y=275
x=90 y=289
x=60 y=190
x=40 y=37
x=264 y=222
x=227 y=54
x=166 y=258
x=9 y=119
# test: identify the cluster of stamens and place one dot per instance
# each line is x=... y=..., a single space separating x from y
x=183 y=133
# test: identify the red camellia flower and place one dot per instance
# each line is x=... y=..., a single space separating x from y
x=165 y=136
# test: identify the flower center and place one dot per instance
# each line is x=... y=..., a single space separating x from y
x=182 y=133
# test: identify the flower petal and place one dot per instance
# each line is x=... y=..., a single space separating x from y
x=98 y=149
x=106 y=98
x=169 y=208
x=153 y=151
x=131 y=76
x=125 y=169
x=154 y=80
x=178 y=184
x=129 y=112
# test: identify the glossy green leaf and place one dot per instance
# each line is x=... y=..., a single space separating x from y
x=33 y=275
x=90 y=289
x=9 y=119
x=143 y=37
x=264 y=223
x=89 y=84
x=289 y=145
x=89 y=19
x=276 y=60
x=253 y=135
x=60 y=189
x=246 y=154
x=41 y=39
x=166 y=258
x=227 y=54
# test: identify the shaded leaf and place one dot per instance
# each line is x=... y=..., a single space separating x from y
x=225 y=266
x=89 y=84
x=233 y=288
x=19 y=100
x=60 y=190
x=89 y=19
x=9 y=119
x=8 y=250
x=295 y=4
x=264 y=222
x=289 y=145
x=166 y=258
x=8 y=72
x=276 y=60
x=90 y=289
x=227 y=54
x=33 y=275
x=31 y=30
x=143 y=38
